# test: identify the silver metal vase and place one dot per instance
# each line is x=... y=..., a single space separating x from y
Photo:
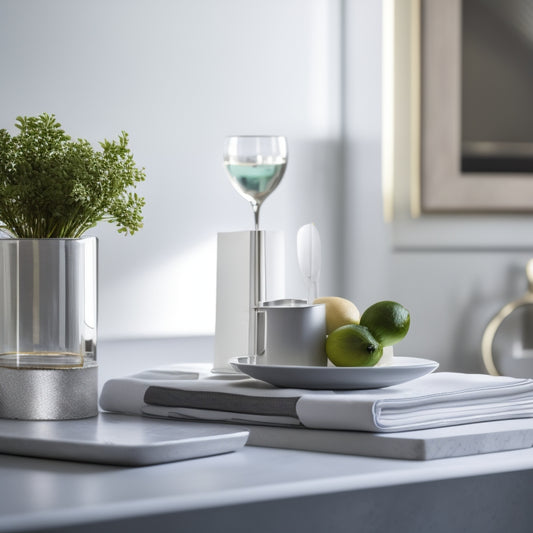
x=48 y=328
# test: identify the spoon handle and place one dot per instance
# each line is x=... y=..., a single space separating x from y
x=309 y=252
x=312 y=291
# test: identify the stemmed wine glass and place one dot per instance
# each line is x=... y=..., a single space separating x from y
x=255 y=165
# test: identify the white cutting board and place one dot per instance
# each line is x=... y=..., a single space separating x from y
x=119 y=439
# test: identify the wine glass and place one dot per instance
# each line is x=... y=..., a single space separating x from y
x=255 y=164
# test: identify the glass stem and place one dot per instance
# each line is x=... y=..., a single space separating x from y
x=258 y=293
x=255 y=207
x=256 y=296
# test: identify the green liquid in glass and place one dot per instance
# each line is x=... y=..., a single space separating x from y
x=255 y=182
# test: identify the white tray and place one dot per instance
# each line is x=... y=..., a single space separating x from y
x=119 y=439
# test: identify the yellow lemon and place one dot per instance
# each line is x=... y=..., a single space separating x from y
x=339 y=312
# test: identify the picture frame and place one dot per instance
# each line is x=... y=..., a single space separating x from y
x=444 y=188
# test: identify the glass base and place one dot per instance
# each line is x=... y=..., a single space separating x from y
x=37 y=360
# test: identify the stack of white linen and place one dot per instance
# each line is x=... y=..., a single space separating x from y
x=437 y=400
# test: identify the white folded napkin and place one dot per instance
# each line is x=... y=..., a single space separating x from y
x=436 y=400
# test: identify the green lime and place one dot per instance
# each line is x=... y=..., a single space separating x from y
x=353 y=345
x=387 y=321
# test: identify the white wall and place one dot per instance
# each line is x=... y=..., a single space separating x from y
x=178 y=76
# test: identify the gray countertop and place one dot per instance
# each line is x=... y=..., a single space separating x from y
x=295 y=489
x=263 y=489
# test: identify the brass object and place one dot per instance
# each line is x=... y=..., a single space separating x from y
x=493 y=326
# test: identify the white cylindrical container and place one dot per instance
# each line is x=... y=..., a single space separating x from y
x=237 y=289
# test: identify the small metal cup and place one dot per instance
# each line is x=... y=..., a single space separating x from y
x=291 y=332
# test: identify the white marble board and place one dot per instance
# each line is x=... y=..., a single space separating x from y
x=119 y=439
x=438 y=443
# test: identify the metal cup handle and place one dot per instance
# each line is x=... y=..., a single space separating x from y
x=261 y=332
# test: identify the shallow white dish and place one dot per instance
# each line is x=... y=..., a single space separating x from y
x=336 y=378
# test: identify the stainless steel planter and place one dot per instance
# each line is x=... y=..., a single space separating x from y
x=48 y=328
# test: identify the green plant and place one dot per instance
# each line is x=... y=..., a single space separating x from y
x=53 y=187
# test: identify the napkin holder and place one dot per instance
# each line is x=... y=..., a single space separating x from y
x=236 y=287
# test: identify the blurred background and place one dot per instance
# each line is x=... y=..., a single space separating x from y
x=180 y=75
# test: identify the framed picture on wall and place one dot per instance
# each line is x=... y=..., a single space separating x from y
x=476 y=109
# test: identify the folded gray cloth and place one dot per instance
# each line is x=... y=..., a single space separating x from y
x=436 y=400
